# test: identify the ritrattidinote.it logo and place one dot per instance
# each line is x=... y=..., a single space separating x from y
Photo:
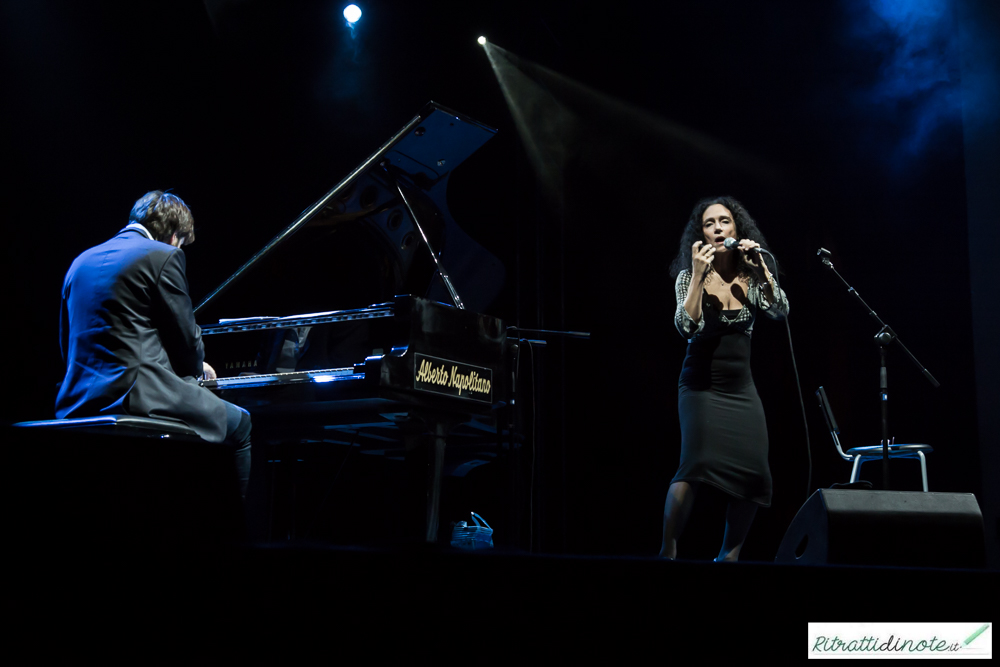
x=900 y=640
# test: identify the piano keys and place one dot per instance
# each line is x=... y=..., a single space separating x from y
x=425 y=357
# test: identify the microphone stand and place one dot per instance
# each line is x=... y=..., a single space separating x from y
x=885 y=337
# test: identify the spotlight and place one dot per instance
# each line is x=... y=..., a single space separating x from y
x=481 y=40
x=352 y=13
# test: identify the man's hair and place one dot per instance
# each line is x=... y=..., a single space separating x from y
x=164 y=215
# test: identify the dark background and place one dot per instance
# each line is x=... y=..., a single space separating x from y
x=863 y=127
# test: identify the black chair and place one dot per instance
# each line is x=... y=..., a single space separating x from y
x=860 y=455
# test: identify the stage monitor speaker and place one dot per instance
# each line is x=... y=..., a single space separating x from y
x=896 y=528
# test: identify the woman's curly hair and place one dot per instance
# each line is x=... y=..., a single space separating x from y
x=746 y=228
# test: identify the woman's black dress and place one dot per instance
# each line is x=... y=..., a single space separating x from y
x=723 y=428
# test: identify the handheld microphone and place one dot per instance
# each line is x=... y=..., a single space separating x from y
x=733 y=244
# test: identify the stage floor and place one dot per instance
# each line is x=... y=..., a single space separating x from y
x=440 y=601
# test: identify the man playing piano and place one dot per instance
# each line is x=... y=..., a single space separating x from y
x=128 y=335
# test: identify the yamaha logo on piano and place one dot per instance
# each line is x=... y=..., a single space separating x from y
x=443 y=376
x=236 y=365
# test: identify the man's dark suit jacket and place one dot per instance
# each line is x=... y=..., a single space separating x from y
x=129 y=338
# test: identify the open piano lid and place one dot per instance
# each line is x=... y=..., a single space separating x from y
x=358 y=244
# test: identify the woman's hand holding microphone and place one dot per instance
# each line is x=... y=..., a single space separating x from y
x=701 y=259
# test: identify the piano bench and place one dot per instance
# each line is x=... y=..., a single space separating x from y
x=119 y=483
x=118 y=425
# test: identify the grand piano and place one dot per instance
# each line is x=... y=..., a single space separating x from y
x=357 y=323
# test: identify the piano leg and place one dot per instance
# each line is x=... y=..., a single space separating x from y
x=425 y=452
x=435 y=469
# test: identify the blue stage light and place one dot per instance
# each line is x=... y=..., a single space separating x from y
x=352 y=13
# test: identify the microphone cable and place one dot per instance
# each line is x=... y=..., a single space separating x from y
x=798 y=382
x=802 y=405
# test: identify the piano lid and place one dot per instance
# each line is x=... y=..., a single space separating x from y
x=358 y=244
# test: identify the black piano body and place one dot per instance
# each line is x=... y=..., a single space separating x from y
x=407 y=374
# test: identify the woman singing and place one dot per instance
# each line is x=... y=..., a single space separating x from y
x=723 y=430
